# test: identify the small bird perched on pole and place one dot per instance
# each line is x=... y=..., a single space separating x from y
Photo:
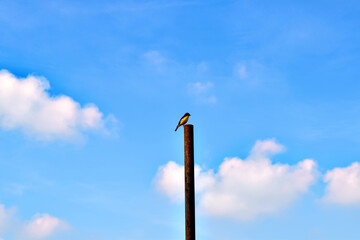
x=183 y=120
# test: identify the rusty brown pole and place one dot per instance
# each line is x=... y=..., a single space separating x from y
x=189 y=182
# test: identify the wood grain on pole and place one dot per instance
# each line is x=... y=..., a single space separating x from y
x=189 y=182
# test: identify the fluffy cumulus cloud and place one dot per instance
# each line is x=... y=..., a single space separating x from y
x=155 y=59
x=25 y=104
x=243 y=189
x=170 y=180
x=40 y=227
x=43 y=225
x=343 y=185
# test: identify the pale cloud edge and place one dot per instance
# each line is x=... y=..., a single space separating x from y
x=343 y=185
x=154 y=57
x=25 y=104
x=44 y=225
x=156 y=60
x=202 y=91
x=243 y=189
x=40 y=226
x=241 y=70
x=6 y=216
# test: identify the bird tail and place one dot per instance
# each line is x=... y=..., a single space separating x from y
x=177 y=127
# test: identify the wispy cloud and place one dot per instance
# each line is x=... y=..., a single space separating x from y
x=252 y=74
x=25 y=104
x=202 y=67
x=343 y=185
x=200 y=88
x=155 y=59
x=243 y=189
x=241 y=70
x=6 y=216
x=202 y=91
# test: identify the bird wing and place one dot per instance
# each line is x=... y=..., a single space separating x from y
x=182 y=121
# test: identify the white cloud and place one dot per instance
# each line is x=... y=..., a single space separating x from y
x=43 y=225
x=25 y=104
x=265 y=148
x=202 y=91
x=243 y=189
x=170 y=180
x=199 y=87
x=343 y=185
x=248 y=188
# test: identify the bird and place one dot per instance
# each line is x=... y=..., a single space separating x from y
x=183 y=120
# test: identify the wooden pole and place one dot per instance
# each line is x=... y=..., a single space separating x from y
x=189 y=182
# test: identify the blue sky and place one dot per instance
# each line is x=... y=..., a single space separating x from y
x=91 y=92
